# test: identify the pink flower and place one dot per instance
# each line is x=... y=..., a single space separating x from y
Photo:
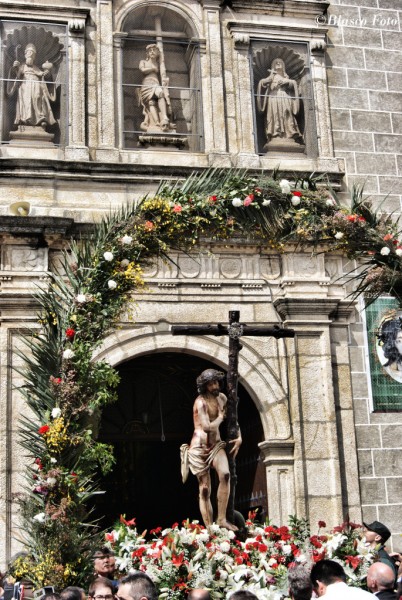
x=177 y=208
x=388 y=237
x=248 y=200
x=149 y=225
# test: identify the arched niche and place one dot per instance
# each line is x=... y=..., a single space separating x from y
x=161 y=108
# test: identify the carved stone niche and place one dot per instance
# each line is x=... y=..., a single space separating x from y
x=33 y=102
x=283 y=99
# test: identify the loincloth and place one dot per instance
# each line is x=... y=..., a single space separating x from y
x=198 y=460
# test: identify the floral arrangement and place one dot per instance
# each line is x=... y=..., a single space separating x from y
x=181 y=558
x=66 y=390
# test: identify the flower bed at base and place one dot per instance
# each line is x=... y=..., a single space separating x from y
x=181 y=558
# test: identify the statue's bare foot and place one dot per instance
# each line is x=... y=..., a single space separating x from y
x=224 y=523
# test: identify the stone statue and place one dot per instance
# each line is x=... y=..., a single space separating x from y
x=28 y=81
x=154 y=93
x=280 y=104
x=207 y=450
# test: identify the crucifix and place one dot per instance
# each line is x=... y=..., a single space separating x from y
x=235 y=330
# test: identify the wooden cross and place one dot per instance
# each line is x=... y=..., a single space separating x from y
x=235 y=330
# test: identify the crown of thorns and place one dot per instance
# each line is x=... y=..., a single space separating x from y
x=209 y=375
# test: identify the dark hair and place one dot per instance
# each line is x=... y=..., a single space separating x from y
x=51 y=596
x=98 y=582
x=300 y=586
x=242 y=595
x=206 y=377
x=388 y=334
x=103 y=552
x=72 y=593
x=327 y=571
x=141 y=585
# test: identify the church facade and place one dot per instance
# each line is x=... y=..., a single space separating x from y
x=101 y=101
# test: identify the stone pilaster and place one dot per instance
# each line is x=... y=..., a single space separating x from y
x=213 y=94
x=106 y=150
x=278 y=458
x=319 y=79
x=318 y=490
x=77 y=148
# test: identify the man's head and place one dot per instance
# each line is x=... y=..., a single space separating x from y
x=324 y=573
x=376 y=533
x=380 y=577
x=137 y=586
x=104 y=562
x=30 y=53
x=73 y=593
x=300 y=586
x=199 y=594
x=101 y=589
x=207 y=377
x=243 y=595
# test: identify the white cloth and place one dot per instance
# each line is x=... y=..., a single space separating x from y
x=341 y=591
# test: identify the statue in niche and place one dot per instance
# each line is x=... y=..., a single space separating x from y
x=278 y=99
x=34 y=93
x=154 y=93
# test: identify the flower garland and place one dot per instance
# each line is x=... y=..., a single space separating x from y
x=179 y=559
x=66 y=390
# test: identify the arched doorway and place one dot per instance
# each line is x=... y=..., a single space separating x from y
x=147 y=425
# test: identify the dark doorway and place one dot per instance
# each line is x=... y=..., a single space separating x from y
x=147 y=425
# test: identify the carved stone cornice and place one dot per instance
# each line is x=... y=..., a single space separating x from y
x=307 y=309
x=298 y=7
x=51 y=12
x=277 y=452
x=37 y=229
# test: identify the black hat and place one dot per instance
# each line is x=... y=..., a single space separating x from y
x=378 y=528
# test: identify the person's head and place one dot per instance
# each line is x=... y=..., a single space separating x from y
x=104 y=562
x=137 y=586
x=30 y=53
x=73 y=593
x=101 y=589
x=376 y=533
x=391 y=338
x=50 y=596
x=300 y=586
x=199 y=594
x=324 y=573
x=152 y=51
x=243 y=595
x=279 y=66
x=209 y=382
x=380 y=577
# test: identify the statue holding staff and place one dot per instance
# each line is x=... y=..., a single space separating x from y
x=154 y=94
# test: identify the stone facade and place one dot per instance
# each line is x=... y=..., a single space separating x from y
x=326 y=453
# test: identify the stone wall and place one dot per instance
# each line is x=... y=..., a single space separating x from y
x=364 y=69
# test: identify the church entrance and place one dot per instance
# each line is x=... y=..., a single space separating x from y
x=147 y=425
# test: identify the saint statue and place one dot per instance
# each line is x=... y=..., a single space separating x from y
x=207 y=450
x=278 y=99
x=154 y=93
x=28 y=82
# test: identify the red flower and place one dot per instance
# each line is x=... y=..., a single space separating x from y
x=44 y=429
x=388 y=237
x=139 y=552
x=156 y=531
x=322 y=524
x=148 y=226
x=70 y=333
x=213 y=199
x=354 y=561
x=362 y=219
x=109 y=537
x=39 y=463
x=175 y=525
x=248 y=200
x=129 y=523
x=178 y=559
x=299 y=194
x=177 y=208
x=352 y=218
x=74 y=476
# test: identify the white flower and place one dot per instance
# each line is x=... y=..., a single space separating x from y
x=339 y=235
x=231 y=535
x=203 y=536
x=108 y=256
x=56 y=412
x=225 y=546
x=398 y=251
x=112 y=285
x=124 y=263
x=126 y=239
x=237 y=202
x=285 y=186
x=287 y=549
x=330 y=202
x=51 y=481
x=81 y=298
x=40 y=517
x=295 y=200
x=67 y=354
x=385 y=250
x=223 y=575
x=53 y=460
x=266 y=202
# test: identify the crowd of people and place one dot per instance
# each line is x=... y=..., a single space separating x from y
x=326 y=578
